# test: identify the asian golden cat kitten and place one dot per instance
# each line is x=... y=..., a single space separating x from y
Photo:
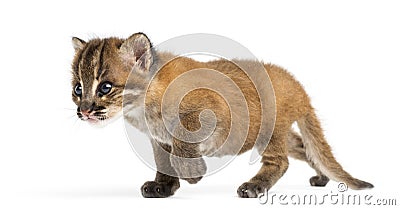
x=100 y=73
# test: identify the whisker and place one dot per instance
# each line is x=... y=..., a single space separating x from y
x=71 y=116
x=76 y=120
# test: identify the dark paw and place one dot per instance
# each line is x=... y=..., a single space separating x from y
x=193 y=180
x=319 y=181
x=250 y=190
x=153 y=189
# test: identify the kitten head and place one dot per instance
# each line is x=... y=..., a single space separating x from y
x=100 y=70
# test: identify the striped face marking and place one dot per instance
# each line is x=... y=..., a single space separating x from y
x=94 y=87
x=90 y=68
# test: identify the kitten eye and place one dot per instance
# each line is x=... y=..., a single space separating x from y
x=78 y=89
x=104 y=89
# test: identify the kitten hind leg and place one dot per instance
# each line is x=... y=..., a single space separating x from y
x=275 y=163
x=297 y=151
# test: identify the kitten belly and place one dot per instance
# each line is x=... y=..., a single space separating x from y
x=215 y=146
x=218 y=146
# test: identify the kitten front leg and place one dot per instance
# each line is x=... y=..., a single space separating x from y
x=166 y=181
x=187 y=161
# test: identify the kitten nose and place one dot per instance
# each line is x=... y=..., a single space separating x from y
x=86 y=108
x=86 y=112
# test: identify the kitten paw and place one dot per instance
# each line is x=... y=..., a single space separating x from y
x=152 y=189
x=250 y=190
x=193 y=180
x=319 y=181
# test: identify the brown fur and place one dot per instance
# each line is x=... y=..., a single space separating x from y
x=292 y=105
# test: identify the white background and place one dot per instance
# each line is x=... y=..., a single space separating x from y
x=346 y=53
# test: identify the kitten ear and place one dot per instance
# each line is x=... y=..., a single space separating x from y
x=136 y=52
x=78 y=44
